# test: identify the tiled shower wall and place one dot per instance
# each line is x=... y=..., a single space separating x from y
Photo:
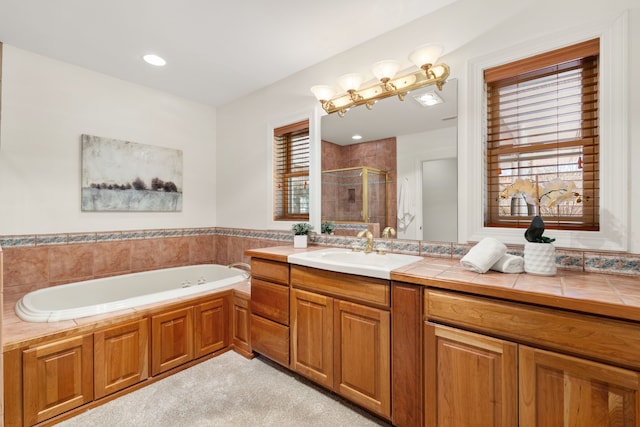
x=32 y=262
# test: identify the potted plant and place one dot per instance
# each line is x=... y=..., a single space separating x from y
x=327 y=227
x=539 y=252
x=301 y=232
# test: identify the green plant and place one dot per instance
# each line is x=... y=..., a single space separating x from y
x=327 y=227
x=302 y=229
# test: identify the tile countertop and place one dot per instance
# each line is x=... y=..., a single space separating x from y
x=602 y=294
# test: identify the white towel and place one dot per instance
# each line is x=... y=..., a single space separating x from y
x=509 y=264
x=483 y=255
x=406 y=206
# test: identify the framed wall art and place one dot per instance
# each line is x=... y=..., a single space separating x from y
x=128 y=176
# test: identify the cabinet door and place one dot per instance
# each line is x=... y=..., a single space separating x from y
x=211 y=326
x=312 y=336
x=57 y=377
x=241 y=330
x=362 y=350
x=558 y=390
x=172 y=336
x=469 y=379
x=121 y=357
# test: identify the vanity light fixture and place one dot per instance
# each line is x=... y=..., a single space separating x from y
x=156 y=60
x=386 y=83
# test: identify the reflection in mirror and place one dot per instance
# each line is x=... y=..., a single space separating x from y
x=412 y=148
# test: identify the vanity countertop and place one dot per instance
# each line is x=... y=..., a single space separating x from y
x=610 y=295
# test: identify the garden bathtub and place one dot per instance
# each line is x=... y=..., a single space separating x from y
x=97 y=296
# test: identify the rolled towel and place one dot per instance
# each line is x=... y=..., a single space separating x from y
x=509 y=264
x=483 y=255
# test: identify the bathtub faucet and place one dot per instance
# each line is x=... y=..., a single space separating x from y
x=244 y=266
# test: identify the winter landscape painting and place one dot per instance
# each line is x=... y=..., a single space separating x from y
x=127 y=176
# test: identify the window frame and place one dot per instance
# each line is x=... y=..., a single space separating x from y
x=313 y=113
x=614 y=168
x=289 y=171
x=518 y=77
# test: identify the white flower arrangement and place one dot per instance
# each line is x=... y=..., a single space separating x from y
x=548 y=194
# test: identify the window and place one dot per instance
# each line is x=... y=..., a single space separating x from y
x=542 y=124
x=291 y=172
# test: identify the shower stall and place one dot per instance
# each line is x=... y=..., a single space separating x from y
x=356 y=194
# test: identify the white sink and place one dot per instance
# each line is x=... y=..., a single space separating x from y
x=347 y=261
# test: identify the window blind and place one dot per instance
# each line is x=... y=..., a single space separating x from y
x=291 y=172
x=542 y=124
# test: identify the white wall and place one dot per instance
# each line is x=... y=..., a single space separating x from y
x=468 y=29
x=47 y=105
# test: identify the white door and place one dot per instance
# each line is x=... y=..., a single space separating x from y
x=440 y=200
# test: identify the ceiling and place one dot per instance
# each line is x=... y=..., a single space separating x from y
x=216 y=51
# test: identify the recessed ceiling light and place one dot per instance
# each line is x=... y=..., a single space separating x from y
x=154 y=60
x=356 y=137
x=428 y=99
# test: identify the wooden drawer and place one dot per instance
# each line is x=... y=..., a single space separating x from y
x=350 y=287
x=270 y=300
x=270 y=339
x=272 y=271
x=599 y=338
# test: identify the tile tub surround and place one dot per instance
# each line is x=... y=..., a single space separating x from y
x=35 y=261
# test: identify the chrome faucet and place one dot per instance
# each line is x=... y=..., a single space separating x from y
x=369 y=246
x=244 y=265
x=388 y=231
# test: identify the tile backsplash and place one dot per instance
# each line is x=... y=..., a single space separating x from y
x=35 y=261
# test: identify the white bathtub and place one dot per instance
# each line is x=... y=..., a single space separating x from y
x=97 y=296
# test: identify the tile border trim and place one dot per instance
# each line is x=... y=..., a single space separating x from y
x=621 y=263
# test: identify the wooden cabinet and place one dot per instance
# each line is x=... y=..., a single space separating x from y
x=211 y=329
x=270 y=309
x=172 y=343
x=57 y=377
x=342 y=345
x=362 y=355
x=312 y=336
x=560 y=390
x=48 y=379
x=241 y=329
x=121 y=357
x=587 y=375
x=187 y=333
x=470 y=379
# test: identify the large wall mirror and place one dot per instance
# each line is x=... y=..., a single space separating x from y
x=402 y=173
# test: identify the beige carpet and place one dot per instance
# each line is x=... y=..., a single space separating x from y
x=227 y=390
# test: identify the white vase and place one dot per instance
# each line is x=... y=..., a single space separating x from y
x=300 y=241
x=540 y=258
